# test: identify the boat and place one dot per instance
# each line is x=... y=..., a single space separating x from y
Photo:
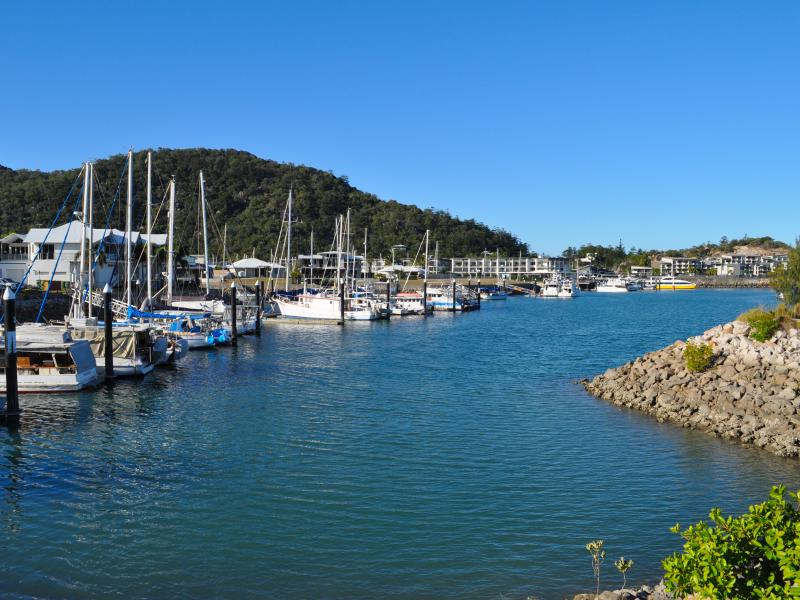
x=614 y=285
x=569 y=289
x=50 y=360
x=551 y=288
x=411 y=303
x=442 y=299
x=324 y=306
x=137 y=347
x=672 y=283
x=493 y=294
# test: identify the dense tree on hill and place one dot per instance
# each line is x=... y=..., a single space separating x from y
x=249 y=195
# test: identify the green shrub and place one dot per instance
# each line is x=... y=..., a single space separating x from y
x=763 y=323
x=697 y=356
x=756 y=555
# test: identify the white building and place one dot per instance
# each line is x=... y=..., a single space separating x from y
x=511 y=266
x=55 y=254
x=679 y=265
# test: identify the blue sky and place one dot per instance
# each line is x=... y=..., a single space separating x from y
x=663 y=124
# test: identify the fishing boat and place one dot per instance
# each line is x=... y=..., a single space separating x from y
x=50 y=360
x=551 y=288
x=568 y=289
x=442 y=299
x=614 y=285
x=324 y=306
x=493 y=294
x=672 y=283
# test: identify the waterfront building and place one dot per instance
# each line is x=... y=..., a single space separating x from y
x=672 y=266
x=59 y=255
x=508 y=267
x=641 y=272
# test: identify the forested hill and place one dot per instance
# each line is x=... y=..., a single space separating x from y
x=249 y=194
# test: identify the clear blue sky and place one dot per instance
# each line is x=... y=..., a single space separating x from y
x=661 y=123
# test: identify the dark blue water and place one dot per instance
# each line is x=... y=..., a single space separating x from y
x=447 y=457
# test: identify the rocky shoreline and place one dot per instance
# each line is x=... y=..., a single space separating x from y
x=645 y=592
x=750 y=393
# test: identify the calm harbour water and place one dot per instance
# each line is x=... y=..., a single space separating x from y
x=443 y=457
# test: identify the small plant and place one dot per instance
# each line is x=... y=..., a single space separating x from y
x=763 y=323
x=595 y=548
x=623 y=566
x=697 y=356
x=756 y=555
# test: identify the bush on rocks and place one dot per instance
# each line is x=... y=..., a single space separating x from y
x=763 y=323
x=697 y=356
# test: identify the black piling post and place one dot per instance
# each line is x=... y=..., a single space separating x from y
x=258 y=308
x=341 y=303
x=424 y=297
x=454 y=295
x=109 y=336
x=234 y=332
x=10 y=336
x=479 y=294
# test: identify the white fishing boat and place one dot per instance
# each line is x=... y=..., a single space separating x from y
x=614 y=285
x=551 y=288
x=50 y=360
x=569 y=289
x=324 y=306
x=442 y=299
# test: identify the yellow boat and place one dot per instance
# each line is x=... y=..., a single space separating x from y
x=670 y=283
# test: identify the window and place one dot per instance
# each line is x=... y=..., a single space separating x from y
x=47 y=252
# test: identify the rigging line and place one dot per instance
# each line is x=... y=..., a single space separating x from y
x=47 y=235
x=416 y=256
x=108 y=221
x=55 y=265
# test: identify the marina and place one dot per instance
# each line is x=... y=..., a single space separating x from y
x=421 y=458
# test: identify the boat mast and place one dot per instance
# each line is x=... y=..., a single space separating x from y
x=149 y=230
x=128 y=226
x=312 y=258
x=289 y=240
x=205 y=231
x=170 y=241
x=427 y=236
x=498 y=266
x=225 y=244
x=364 y=262
x=91 y=235
x=79 y=304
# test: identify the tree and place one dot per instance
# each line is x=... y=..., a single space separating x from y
x=755 y=555
x=786 y=278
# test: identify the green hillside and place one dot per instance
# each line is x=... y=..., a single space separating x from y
x=249 y=194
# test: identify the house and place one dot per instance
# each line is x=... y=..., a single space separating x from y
x=254 y=267
x=54 y=254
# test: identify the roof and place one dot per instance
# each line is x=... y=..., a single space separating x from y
x=37 y=235
x=12 y=238
x=252 y=263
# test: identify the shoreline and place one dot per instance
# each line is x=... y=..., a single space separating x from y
x=750 y=393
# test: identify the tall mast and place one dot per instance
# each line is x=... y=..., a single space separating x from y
x=128 y=226
x=498 y=266
x=81 y=270
x=149 y=229
x=338 y=253
x=312 y=257
x=170 y=241
x=225 y=244
x=205 y=231
x=91 y=234
x=427 y=235
x=364 y=262
x=289 y=241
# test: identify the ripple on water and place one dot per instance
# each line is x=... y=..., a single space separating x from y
x=449 y=456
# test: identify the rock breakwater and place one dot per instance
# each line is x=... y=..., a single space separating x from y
x=750 y=393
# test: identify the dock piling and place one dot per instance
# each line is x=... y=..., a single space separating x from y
x=10 y=335
x=454 y=295
x=341 y=303
x=234 y=332
x=109 y=337
x=258 y=308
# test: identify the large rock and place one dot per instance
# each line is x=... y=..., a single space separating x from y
x=751 y=393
